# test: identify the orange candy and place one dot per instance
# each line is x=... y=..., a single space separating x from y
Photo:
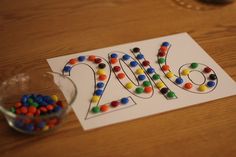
x=163 y=48
x=53 y=121
x=24 y=110
x=92 y=58
x=188 y=85
x=18 y=104
x=73 y=61
x=148 y=89
x=121 y=75
x=165 y=67
x=30 y=114
x=113 y=60
x=102 y=77
x=50 y=107
x=32 y=109
x=104 y=108
x=43 y=109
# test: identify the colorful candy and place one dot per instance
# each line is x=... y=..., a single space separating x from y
x=161 y=60
x=136 y=49
x=139 y=90
x=101 y=66
x=156 y=76
x=129 y=85
x=33 y=108
x=194 y=65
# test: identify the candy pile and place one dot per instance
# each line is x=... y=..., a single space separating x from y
x=39 y=112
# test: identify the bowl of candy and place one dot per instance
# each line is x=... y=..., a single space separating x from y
x=36 y=102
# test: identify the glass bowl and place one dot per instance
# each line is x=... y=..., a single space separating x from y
x=36 y=102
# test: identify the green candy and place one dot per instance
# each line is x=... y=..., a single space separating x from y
x=35 y=104
x=161 y=60
x=156 y=77
x=194 y=65
x=13 y=110
x=170 y=94
x=95 y=109
x=30 y=101
x=146 y=83
x=139 y=90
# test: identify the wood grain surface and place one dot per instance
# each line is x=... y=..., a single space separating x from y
x=32 y=31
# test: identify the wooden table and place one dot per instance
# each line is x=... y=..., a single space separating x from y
x=32 y=31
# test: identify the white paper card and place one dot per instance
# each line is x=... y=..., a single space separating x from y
x=128 y=86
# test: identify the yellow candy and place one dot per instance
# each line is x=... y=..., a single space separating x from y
x=101 y=72
x=45 y=128
x=202 y=88
x=139 y=71
x=160 y=84
x=185 y=72
x=169 y=74
x=129 y=85
x=95 y=98
x=54 y=98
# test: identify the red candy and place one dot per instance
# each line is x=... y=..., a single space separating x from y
x=114 y=103
x=18 y=111
x=23 y=109
x=30 y=114
x=37 y=112
x=59 y=103
x=53 y=121
x=207 y=70
x=161 y=54
x=146 y=63
x=116 y=68
x=98 y=60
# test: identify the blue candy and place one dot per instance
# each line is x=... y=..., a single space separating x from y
x=141 y=77
x=140 y=56
x=211 y=84
x=126 y=57
x=124 y=100
x=99 y=92
x=100 y=84
x=41 y=124
x=24 y=99
x=114 y=55
x=57 y=109
x=81 y=58
x=48 y=99
x=67 y=69
x=133 y=63
x=29 y=127
x=165 y=44
x=19 y=123
x=150 y=70
x=179 y=80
